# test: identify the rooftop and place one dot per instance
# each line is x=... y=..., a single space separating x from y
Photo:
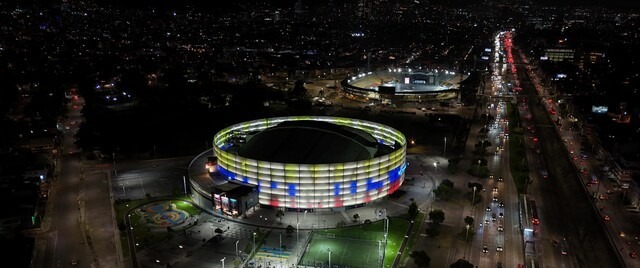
x=310 y=142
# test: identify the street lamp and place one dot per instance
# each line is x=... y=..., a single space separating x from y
x=445 y=148
x=115 y=170
x=211 y=230
x=479 y=163
x=181 y=251
x=254 y=242
x=222 y=260
x=467 y=236
x=237 y=248
x=435 y=174
x=473 y=200
x=297 y=229
x=329 y=250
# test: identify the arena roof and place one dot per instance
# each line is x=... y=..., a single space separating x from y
x=309 y=142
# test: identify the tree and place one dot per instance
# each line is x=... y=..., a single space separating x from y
x=356 y=217
x=298 y=91
x=483 y=162
x=469 y=220
x=218 y=231
x=460 y=263
x=436 y=216
x=443 y=192
x=420 y=258
x=474 y=184
x=279 y=215
x=413 y=210
x=289 y=230
x=432 y=231
x=453 y=165
x=447 y=182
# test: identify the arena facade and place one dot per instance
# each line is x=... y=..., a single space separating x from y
x=404 y=85
x=311 y=162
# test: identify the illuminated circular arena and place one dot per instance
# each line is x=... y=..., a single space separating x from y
x=403 y=85
x=312 y=162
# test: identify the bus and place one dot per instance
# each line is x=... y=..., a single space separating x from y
x=528 y=216
x=533 y=212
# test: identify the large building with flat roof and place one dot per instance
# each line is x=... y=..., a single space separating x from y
x=312 y=162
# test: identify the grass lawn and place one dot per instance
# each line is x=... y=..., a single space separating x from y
x=417 y=228
x=374 y=232
x=344 y=252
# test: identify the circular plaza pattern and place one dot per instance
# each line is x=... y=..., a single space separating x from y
x=162 y=214
x=312 y=162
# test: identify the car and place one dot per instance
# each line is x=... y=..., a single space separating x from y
x=554 y=243
x=564 y=251
x=500 y=178
x=488 y=209
x=495 y=189
x=493 y=216
x=501 y=215
x=486 y=222
x=606 y=218
x=499 y=248
x=500 y=228
x=74 y=262
x=485 y=249
x=621 y=234
x=501 y=204
x=603 y=197
x=490 y=176
x=633 y=255
x=495 y=199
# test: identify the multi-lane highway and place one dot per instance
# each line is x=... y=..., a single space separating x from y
x=564 y=206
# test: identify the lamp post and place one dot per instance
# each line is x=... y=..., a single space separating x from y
x=237 y=248
x=329 y=250
x=254 y=242
x=467 y=236
x=222 y=260
x=444 y=155
x=184 y=184
x=473 y=200
x=435 y=174
x=479 y=164
x=211 y=230
x=297 y=229
x=115 y=170
x=181 y=254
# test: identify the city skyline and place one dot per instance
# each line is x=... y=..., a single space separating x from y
x=340 y=133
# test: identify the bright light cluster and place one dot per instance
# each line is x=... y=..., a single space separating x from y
x=316 y=186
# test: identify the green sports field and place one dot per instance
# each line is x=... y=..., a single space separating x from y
x=344 y=253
